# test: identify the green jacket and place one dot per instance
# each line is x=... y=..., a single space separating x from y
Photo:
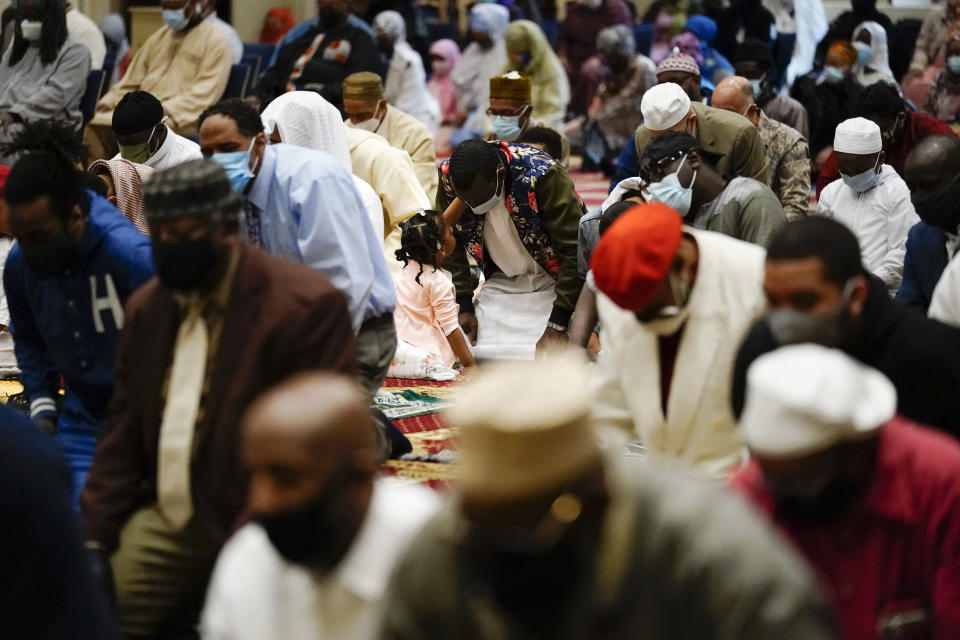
x=678 y=559
x=726 y=133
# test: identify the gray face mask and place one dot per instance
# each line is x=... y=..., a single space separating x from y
x=828 y=329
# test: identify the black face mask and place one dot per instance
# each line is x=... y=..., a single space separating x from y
x=329 y=18
x=318 y=533
x=184 y=265
x=51 y=257
x=937 y=207
x=828 y=504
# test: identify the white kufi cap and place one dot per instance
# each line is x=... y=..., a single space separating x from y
x=805 y=398
x=663 y=106
x=858 y=136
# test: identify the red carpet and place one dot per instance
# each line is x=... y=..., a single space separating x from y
x=592 y=187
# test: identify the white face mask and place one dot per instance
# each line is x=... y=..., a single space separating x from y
x=31 y=30
x=670 y=192
x=485 y=207
x=373 y=123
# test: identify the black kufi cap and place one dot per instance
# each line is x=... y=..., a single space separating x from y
x=136 y=111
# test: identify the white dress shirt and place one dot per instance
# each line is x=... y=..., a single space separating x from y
x=255 y=594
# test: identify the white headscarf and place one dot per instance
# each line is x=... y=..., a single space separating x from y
x=489 y=18
x=879 y=61
x=305 y=119
x=390 y=24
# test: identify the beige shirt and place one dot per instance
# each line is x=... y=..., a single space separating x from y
x=186 y=71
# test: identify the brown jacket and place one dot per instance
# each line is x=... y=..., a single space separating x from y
x=281 y=318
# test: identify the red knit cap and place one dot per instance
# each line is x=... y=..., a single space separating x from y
x=634 y=255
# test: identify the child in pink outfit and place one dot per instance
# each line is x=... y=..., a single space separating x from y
x=427 y=312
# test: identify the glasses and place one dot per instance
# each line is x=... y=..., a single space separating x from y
x=505 y=113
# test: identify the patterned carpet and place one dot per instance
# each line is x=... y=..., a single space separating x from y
x=592 y=187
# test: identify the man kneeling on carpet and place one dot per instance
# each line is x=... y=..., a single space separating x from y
x=521 y=227
x=315 y=561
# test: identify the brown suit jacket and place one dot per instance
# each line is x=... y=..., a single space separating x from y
x=281 y=318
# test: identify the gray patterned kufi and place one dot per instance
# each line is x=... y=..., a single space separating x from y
x=198 y=188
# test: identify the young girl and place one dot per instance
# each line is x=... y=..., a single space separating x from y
x=427 y=312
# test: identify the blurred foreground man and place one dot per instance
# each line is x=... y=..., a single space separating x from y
x=674 y=304
x=547 y=537
x=315 y=562
x=221 y=322
x=870 y=499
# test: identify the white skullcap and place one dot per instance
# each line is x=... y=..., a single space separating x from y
x=805 y=398
x=858 y=136
x=663 y=106
x=524 y=429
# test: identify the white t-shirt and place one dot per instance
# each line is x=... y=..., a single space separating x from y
x=255 y=594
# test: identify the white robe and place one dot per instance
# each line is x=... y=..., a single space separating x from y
x=472 y=76
x=699 y=430
x=945 y=304
x=406 y=87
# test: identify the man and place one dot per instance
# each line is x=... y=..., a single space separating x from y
x=48 y=593
x=142 y=135
x=86 y=32
x=316 y=560
x=901 y=129
x=789 y=174
x=222 y=322
x=405 y=82
x=208 y=9
x=511 y=110
x=666 y=107
x=754 y=62
x=674 y=303
x=869 y=498
x=931 y=172
x=301 y=205
x=871 y=199
x=76 y=261
x=482 y=59
x=528 y=252
x=945 y=304
x=367 y=109
x=547 y=537
x=682 y=70
x=678 y=172
x=818 y=291
x=321 y=57
x=185 y=64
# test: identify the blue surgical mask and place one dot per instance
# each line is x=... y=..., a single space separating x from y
x=237 y=166
x=670 y=192
x=507 y=127
x=863 y=182
x=176 y=19
x=832 y=75
x=863 y=52
x=953 y=63
x=757 y=88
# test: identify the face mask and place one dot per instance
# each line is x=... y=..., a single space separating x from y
x=937 y=208
x=328 y=18
x=889 y=136
x=953 y=64
x=811 y=499
x=789 y=326
x=670 y=192
x=670 y=319
x=757 y=86
x=507 y=127
x=52 y=257
x=176 y=19
x=863 y=182
x=591 y=4
x=520 y=59
x=440 y=67
x=140 y=153
x=315 y=534
x=184 y=265
x=237 y=166
x=832 y=75
x=31 y=30
x=863 y=52
x=497 y=196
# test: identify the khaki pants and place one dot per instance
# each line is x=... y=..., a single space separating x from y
x=161 y=576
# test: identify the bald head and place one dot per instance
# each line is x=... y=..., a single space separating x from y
x=931 y=171
x=735 y=94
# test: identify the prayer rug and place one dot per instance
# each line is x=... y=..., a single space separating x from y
x=592 y=187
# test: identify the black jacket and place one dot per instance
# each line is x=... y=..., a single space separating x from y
x=920 y=356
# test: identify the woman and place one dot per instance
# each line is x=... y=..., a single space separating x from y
x=276 y=24
x=528 y=51
x=943 y=98
x=305 y=119
x=124 y=180
x=444 y=56
x=872 y=65
x=940 y=25
x=43 y=74
x=405 y=86
x=616 y=108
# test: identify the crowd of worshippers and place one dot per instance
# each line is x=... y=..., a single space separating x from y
x=723 y=404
